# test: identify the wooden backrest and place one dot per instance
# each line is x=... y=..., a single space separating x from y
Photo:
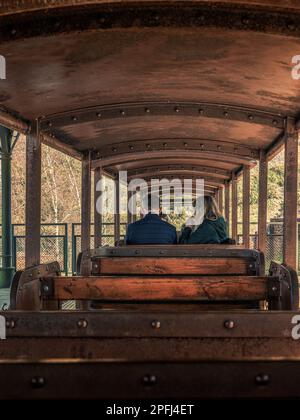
x=177 y=260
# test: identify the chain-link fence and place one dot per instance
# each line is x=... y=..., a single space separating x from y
x=62 y=243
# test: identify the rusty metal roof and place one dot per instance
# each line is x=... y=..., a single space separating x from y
x=163 y=86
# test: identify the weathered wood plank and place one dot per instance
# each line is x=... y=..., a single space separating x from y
x=161 y=266
x=158 y=288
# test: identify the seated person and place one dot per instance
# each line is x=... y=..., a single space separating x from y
x=151 y=229
x=207 y=228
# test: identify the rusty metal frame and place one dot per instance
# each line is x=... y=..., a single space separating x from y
x=33 y=198
x=192 y=14
x=246 y=206
x=145 y=155
x=234 y=206
x=290 y=194
x=177 y=168
x=262 y=204
x=86 y=203
x=97 y=216
x=154 y=109
x=138 y=322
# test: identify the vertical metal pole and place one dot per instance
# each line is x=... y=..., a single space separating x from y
x=86 y=203
x=117 y=210
x=246 y=206
x=129 y=212
x=227 y=202
x=262 y=201
x=33 y=199
x=97 y=215
x=290 y=194
x=7 y=270
x=221 y=201
x=234 y=207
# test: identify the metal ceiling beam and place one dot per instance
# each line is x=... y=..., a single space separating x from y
x=210 y=145
x=199 y=110
x=180 y=154
x=178 y=174
x=158 y=169
x=12 y=122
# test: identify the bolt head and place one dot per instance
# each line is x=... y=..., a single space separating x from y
x=262 y=379
x=82 y=323
x=229 y=324
x=155 y=324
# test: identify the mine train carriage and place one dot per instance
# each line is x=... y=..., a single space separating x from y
x=193 y=89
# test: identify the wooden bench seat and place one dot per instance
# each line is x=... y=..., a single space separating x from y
x=161 y=274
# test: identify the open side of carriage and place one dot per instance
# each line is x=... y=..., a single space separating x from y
x=196 y=89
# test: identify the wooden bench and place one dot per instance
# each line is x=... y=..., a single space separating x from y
x=161 y=274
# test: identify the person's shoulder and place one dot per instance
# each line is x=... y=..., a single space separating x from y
x=169 y=225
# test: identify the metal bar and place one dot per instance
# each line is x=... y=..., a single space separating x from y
x=246 y=206
x=227 y=202
x=7 y=269
x=33 y=199
x=117 y=211
x=262 y=202
x=134 y=156
x=13 y=123
x=290 y=194
x=136 y=321
x=97 y=208
x=86 y=203
x=221 y=200
x=140 y=109
x=234 y=199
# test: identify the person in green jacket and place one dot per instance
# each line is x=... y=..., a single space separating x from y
x=211 y=227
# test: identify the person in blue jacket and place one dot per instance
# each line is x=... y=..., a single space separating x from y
x=151 y=229
x=207 y=227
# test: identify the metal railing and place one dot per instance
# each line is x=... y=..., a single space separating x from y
x=61 y=242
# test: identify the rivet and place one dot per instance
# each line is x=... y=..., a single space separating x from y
x=262 y=379
x=165 y=144
x=176 y=109
x=82 y=323
x=201 y=111
x=202 y=146
x=46 y=288
x=250 y=117
x=122 y=112
x=219 y=147
x=149 y=380
x=274 y=288
x=49 y=123
x=114 y=149
x=10 y=324
x=13 y=32
x=99 y=114
x=229 y=324
x=155 y=324
x=245 y=21
x=74 y=118
x=185 y=144
x=131 y=147
x=148 y=146
x=275 y=122
x=225 y=113
x=147 y=110
x=38 y=382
